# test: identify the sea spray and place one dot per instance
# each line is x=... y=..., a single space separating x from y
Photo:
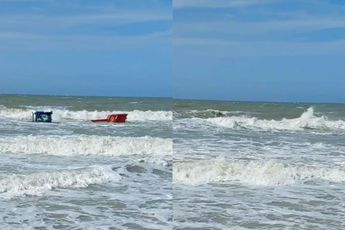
x=40 y=182
x=61 y=115
x=69 y=145
x=47 y=175
x=307 y=120
x=269 y=173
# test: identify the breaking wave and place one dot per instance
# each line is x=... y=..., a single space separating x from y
x=86 y=145
x=208 y=113
x=269 y=173
x=39 y=183
x=306 y=121
x=60 y=114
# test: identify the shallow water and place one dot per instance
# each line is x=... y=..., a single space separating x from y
x=76 y=174
x=258 y=165
x=219 y=165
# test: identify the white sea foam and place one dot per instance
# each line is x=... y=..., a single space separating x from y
x=41 y=182
x=138 y=115
x=269 y=173
x=86 y=145
x=84 y=115
x=307 y=120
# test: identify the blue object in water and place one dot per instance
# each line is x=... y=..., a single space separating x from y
x=41 y=116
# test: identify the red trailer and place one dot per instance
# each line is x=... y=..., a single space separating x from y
x=113 y=118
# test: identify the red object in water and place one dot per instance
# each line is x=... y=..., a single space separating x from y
x=113 y=118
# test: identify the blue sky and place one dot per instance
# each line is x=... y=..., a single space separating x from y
x=259 y=50
x=86 y=47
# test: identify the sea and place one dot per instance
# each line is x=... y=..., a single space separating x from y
x=251 y=165
x=75 y=174
x=182 y=164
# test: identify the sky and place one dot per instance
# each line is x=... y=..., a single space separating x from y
x=252 y=50
x=259 y=50
x=86 y=47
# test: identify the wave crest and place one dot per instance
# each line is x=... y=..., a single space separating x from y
x=39 y=183
x=60 y=114
x=86 y=145
x=306 y=121
x=270 y=173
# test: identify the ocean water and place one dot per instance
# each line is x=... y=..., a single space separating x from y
x=206 y=165
x=258 y=165
x=75 y=174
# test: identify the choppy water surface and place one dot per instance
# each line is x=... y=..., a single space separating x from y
x=258 y=165
x=234 y=166
x=76 y=174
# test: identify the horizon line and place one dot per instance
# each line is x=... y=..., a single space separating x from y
x=257 y=101
x=173 y=99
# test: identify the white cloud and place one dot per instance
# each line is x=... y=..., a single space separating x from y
x=228 y=28
x=51 y=21
x=33 y=31
x=216 y=3
x=225 y=49
x=29 y=41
